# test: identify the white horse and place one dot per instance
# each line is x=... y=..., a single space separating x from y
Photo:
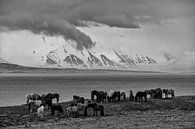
x=40 y=112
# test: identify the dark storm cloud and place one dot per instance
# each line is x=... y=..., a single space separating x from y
x=49 y=26
x=120 y=13
x=60 y=16
x=20 y=15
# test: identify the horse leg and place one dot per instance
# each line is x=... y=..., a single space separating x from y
x=27 y=100
x=94 y=111
x=29 y=107
x=85 y=111
x=102 y=111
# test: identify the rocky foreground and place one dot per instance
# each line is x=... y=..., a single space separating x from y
x=178 y=113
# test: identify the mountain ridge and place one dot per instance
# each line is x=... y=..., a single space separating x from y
x=87 y=59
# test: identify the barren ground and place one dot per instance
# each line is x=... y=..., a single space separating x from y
x=178 y=113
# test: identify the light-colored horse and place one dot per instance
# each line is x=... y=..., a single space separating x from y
x=40 y=112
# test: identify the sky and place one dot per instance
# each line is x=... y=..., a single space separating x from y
x=163 y=29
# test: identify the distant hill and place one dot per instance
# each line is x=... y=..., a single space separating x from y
x=14 y=68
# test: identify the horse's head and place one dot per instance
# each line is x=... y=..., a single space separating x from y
x=131 y=92
x=165 y=91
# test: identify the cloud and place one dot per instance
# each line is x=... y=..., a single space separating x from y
x=123 y=13
x=49 y=26
x=55 y=17
x=177 y=59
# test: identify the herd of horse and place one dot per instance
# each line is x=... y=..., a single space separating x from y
x=97 y=97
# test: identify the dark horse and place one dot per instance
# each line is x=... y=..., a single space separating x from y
x=115 y=96
x=48 y=102
x=155 y=93
x=131 y=96
x=99 y=108
x=95 y=108
x=101 y=96
x=78 y=99
x=140 y=95
x=52 y=96
x=56 y=108
x=93 y=94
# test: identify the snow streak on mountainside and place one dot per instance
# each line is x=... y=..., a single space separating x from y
x=67 y=57
x=2 y=60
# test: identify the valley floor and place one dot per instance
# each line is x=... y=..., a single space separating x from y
x=178 y=113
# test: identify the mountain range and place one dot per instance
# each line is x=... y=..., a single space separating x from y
x=66 y=56
x=87 y=59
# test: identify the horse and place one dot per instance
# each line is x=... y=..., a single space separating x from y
x=168 y=92
x=78 y=99
x=155 y=93
x=122 y=95
x=101 y=96
x=34 y=103
x=99 y=108
x=81 y=106
x=150 y=93
x=52 y=96
x=90 y=105
x=33 y=97
x=110 y=96
x=47 y=102
x=140 y=95
x=105 y=97
x=158 y=93
x=131 y=96
x=72 y=110
x=115 y=96
x=40 y=112
x=93 y=94
x=56 y=108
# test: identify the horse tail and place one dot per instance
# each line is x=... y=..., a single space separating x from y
x=92 y=95
x=27 y=98
x=58 y=97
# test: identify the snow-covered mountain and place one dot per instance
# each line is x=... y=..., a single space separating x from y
x=39 y=50
x=68 y=57
x=2 y=60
